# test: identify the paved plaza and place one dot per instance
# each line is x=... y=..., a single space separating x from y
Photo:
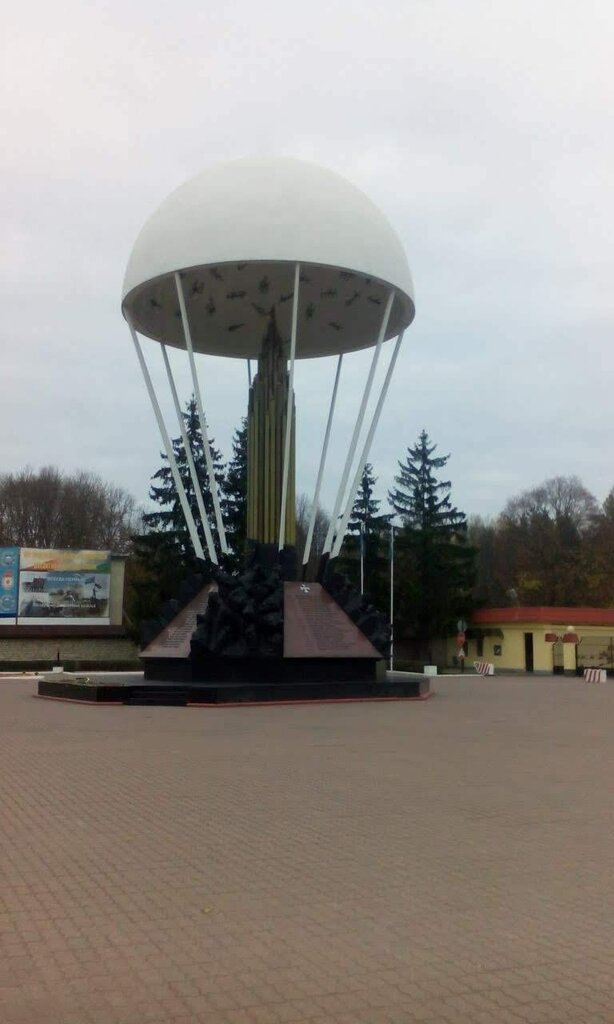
x=388 y=863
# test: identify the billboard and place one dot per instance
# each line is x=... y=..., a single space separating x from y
x=71 y=586
x=9 y=585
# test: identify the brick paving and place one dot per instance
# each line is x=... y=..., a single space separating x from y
x=443 y=862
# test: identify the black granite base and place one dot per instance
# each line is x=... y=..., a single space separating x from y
x=172 y=670
x=393 y=687
x=268 y=671
x=96 y=694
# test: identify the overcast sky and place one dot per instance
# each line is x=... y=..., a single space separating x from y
x=483 y=130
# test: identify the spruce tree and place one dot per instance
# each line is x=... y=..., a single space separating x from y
x=163 y=555
x=365 y=511
x=154 y=573
x=168 y=522
x=435 y=563
x=234 y=500
x=367 y=531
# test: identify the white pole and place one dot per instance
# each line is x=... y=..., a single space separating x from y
x=190 y=460
x=289 y=408
x=166 y=441
x=201 y=415
x=361 y=414
x=316 y=497
x=365 y=451
x=391 y=597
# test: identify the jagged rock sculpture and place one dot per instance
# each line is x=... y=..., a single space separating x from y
x=245 y=617
x=371 y=622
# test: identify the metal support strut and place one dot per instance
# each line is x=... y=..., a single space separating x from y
x=190 y=460
x=201 y=415
x=365 y=451
x=316 y=496
x=289 y=408
x=168 y=448
x=332 y=531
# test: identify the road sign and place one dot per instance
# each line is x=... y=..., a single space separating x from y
x=460 y=638
x=461 y=625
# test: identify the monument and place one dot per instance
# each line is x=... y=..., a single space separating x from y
x=270 y=260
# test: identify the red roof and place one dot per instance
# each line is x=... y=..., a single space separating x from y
x=560 y=616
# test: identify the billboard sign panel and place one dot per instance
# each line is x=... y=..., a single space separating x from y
x=9 y=585
x=71 y=586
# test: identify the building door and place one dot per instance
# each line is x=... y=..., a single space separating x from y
x=528 y=652
x=558 y=658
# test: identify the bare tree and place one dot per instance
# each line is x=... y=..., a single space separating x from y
x=562 y=499
x=303 y=514
x=47 y=509
x=537 y=550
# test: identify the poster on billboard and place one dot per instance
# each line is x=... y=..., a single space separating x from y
x=9 y=585
x=71 y=586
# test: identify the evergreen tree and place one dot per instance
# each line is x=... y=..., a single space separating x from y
x=162 y=555
x=436 y=565
x=154 y=573
x=168 y=522
x=365 y=515
x=234 y=500
x=367 y=534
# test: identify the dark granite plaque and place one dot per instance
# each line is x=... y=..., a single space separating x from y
x=316 y=627
x=174 y=640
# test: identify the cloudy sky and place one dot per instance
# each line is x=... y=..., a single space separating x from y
x=483 y=130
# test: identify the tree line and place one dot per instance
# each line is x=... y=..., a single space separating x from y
x=551 y=545
x=51 y=509
x=435 y=562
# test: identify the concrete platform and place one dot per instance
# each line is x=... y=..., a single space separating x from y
x=440 y=862
x=395 y=686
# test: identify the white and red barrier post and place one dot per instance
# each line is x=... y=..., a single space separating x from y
x=595 y=675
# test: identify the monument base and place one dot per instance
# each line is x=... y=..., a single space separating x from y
x=257 y=639
x=278 y=671
x=394 y=686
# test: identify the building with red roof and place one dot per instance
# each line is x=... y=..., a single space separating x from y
x=540 y=639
